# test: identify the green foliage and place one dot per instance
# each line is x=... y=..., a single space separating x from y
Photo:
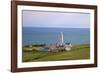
x=34 y=45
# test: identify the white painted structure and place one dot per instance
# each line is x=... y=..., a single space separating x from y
x=61 y=38
x=68 y=47
x=59 y=46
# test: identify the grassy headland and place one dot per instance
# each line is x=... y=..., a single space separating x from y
x=30 y=54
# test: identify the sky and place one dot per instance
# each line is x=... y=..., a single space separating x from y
x=55 y=19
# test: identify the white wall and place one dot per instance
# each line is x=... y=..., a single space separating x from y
x=5 y=27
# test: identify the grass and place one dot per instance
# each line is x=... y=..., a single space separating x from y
x=78 y=52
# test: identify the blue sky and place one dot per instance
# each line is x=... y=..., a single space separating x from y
x=55 y=19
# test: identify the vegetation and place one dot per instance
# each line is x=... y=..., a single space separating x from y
x=31 y=54
x=34 y=45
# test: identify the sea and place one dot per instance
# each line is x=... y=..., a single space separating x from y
x=46 y=35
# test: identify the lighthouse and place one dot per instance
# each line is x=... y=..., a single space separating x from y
x=59 y=46
x=61 y=38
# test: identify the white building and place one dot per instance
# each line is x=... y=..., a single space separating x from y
x=68 y=47
x=60 y=46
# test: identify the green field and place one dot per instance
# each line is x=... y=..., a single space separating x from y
x=78 y=52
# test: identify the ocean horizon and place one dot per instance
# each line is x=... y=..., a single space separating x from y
x=48 y=35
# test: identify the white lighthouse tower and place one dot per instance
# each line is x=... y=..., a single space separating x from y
x=61 y=38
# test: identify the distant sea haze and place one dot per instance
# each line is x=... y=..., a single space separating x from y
x=37 y=35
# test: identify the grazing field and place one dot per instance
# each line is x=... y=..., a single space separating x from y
x=78 y=52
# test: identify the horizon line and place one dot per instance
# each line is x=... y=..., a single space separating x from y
x=56 y=27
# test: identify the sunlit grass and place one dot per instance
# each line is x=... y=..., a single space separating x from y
x=78 y=52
